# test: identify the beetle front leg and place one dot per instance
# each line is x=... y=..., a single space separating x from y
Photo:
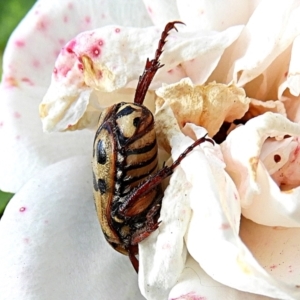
x=152 y=66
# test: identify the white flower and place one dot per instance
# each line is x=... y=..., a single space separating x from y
x=51 y=245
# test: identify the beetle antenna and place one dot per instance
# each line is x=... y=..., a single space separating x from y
x=153 y=65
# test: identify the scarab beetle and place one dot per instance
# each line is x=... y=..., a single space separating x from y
x=127 y=188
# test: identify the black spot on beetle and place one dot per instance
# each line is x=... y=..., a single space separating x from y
x=128 y=110
x=136 y=121
x=101 y=153
x=95 y=182
x=102 y=186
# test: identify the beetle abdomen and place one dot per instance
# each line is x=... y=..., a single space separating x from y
x=125 y=155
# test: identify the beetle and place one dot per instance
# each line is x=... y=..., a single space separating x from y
x=127 y=182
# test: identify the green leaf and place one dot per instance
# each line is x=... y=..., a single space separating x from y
x=11 y=13
x=4 y=199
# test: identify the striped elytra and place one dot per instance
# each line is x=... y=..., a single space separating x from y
x=126 y=178
x=125 y=155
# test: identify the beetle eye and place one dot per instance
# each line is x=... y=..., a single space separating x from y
x=136 y=121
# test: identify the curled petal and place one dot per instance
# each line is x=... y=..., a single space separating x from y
x=261 y=198
x=113 y=57
x=205 y=105
x=258 y=107
x=54 y=246
x=261 y=42
x=209 y=48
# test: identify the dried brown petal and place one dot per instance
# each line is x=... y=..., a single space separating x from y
x=205 y=105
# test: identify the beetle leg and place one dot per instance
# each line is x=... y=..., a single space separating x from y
x=151 y=225
x=152 y=66
x=157 y=178
x=137 y=237
x=132 y=251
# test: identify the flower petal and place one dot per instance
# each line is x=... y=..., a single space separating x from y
x=262 y=41
x=26 y=149
x=27 y=64
x=194 y=283
x=212 y=238
x=204 y=105
x=112 y=58
x=261 y=198
x=126 y=13
x=163 y=254
x=276 y=249
x=162 y=11
x=209 y=15
x=258 y=107
x=54 y=247
x=293 y=77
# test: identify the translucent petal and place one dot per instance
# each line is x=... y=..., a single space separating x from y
x=213 y=15
x=261 y=198
x=27 y=65
x=162 y=11
x=52 y=246
x=126 y=13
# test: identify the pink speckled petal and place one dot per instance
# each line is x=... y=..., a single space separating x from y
x=249 y=162
x=113 y=57
x=27 y=66
x=195 y=284
x=211 y=15
x=263 y=39
x=277 y=249
x=52 y=246
x=213 y=239
x=25 y=148
x=162 y=11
